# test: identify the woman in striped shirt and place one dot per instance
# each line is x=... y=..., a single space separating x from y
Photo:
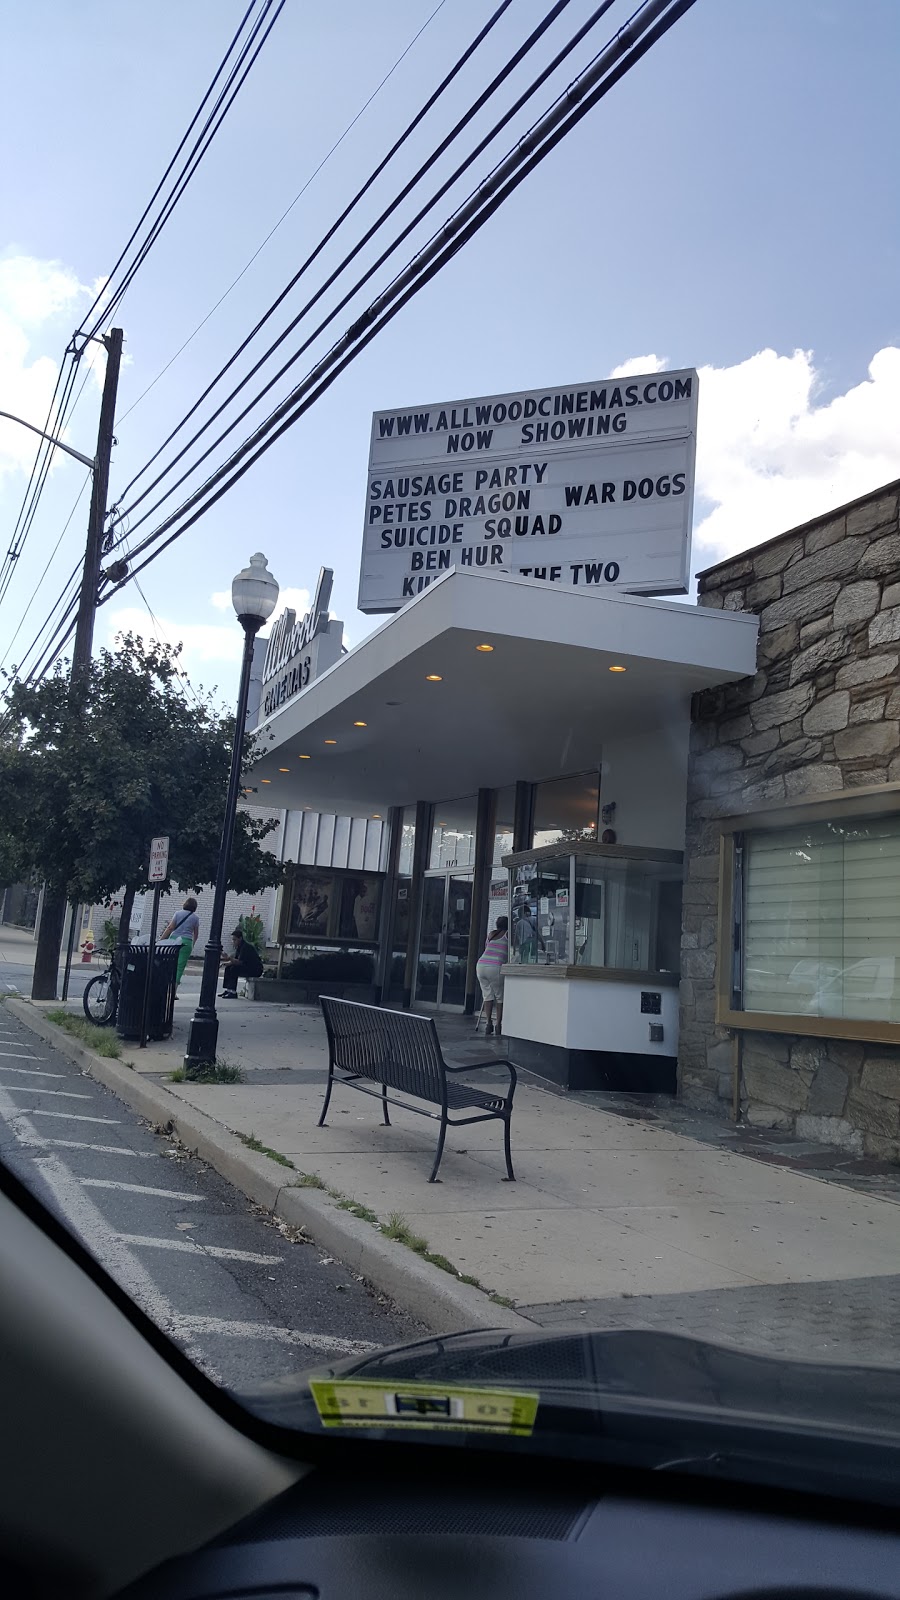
x=493 y=957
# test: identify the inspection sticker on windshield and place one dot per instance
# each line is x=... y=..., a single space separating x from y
x=351 y=1403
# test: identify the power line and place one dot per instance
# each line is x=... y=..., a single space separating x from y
x=533 y=38
x=298 y=196
x=628 y=46
x=99 y=299
x=46 y=569
x=55 y=422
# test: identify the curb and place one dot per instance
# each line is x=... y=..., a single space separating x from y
x=425 y=1291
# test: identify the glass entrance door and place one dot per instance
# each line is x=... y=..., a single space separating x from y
x=444 y=938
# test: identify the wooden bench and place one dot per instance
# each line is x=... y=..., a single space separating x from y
x=401 y=1051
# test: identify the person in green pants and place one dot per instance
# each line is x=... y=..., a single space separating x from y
x=185 y=927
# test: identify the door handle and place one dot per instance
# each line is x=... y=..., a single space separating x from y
x=440 y=944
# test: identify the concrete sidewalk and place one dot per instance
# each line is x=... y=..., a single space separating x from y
x=607 y=1206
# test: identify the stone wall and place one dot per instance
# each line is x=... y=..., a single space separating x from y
x=822 y=714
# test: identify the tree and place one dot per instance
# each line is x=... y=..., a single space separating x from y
x=83 y=791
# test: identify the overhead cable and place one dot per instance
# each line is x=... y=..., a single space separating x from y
x=500 y=78
x=629 y=45
x=298 y=196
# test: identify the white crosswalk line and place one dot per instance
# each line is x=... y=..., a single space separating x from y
x=265 y=1331
x=33 y=1072
x=76 y=1116
x=220 y=1252
x=64 y=1094
x=137 y=1188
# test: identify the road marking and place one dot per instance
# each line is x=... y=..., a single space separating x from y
x=33 y=1072
x=64 y=1094
x=136 y=1188
x=190 y=1245
x=76 y=1116
x=86 y=1220
x=34 y=1138
x=265 y=1331
x=23 y=1055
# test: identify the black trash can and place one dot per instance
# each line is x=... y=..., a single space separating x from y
x=162 y=991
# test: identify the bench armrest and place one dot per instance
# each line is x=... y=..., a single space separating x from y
x=478 y=1066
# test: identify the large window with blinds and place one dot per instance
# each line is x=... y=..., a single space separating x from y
x=816 y=920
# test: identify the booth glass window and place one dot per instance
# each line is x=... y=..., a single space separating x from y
x=566 y=808
x=539 y=919
x=453 y=833
x=504 y=824
x=627 y=914
x=815 y=924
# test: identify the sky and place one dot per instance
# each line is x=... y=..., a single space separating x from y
x=731 y=205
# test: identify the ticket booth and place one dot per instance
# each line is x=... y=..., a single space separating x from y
x=591 y=988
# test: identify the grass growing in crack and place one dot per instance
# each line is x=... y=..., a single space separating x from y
x=101 y=1040
x=217 y=1074
x=396 y=1228
x=252 y=1143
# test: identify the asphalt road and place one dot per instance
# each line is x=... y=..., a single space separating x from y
x=247 y=1297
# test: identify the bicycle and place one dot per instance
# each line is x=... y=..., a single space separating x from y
x=101 y=996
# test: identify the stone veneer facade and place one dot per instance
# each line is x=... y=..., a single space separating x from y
x=822 y=714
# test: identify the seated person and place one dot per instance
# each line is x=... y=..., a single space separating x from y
x=244 y=963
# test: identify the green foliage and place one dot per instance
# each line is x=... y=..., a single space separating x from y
x=252 y=1143
x=220 y=1073
x=332 y=966
x=109 y=935
x=251 y=927
x=86 y=780
x=100 y=1040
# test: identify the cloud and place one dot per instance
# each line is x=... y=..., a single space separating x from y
x=635 y=366
x=771 y=453
x=33 y=294
x=206 y=645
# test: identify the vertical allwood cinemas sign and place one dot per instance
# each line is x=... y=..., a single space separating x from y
x=289 y=656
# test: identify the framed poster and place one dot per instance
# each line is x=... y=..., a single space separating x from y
x=312 y=891
x=360 y=905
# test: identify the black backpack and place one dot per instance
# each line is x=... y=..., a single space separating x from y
x=252 y=962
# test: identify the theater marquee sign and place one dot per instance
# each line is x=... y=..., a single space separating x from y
x=298 y=651
x=590 y=485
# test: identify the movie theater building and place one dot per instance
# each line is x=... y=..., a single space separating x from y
x=686 y=811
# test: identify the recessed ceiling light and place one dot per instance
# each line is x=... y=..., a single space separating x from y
x=265 y=780
x=360 y=724
x=331 y=741
x=433 y=677
x=305 y=758
x=376 y=816
x=284 y=769
x=618 y=669
x=485 y=647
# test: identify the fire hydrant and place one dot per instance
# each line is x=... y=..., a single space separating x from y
x=87 y=951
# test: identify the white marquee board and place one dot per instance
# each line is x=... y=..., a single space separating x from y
x=584 y=485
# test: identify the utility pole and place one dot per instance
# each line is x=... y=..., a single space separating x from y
x=90 y=576
x=46 y=964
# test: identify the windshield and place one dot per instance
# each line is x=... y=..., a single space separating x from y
x=449 y=862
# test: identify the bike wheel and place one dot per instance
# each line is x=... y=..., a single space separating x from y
x=99 y=999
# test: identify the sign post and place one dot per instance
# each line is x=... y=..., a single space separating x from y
x=157 y=875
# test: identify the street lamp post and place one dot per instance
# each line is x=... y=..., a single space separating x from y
x=254 y=595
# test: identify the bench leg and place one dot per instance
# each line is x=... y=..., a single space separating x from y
x=507 y=1128
x=384 y=1109
x=321 y=1122
x=440 y=1151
